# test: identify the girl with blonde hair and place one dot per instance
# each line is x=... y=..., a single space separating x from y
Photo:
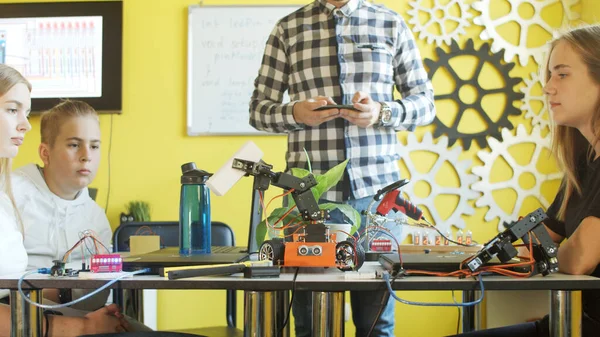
x=15 y=104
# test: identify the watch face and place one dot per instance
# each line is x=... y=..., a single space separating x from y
x=387 y=116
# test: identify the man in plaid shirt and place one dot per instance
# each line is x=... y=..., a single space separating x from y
x=344 y=52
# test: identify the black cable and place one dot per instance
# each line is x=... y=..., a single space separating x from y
x=458 y=321
x=458 y=318
x=287 y=315
x=47 y=313
x=47 y=332
x=109 y=152
x=384 y=300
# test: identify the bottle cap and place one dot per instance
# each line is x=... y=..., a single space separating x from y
x=192 y=175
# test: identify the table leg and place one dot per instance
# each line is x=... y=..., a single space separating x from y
x=565 y=313
x=132 y=302
x=282 y=304
x=328 y=314
x=25 y=319
x=260 y=313
x=468 y=313
x=478 y=312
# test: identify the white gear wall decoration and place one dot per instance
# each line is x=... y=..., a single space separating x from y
x=499 y=42
x=537 y=117
x=570 y=14
x=463 y=191
x=500 y=149
x=460 y=21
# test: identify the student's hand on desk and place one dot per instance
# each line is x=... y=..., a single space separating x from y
x=368 y=114
x=105 y=320
x=304 y=111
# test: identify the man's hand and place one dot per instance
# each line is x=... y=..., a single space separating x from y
x=105 y=320
x=368 y=114
x=304 y=111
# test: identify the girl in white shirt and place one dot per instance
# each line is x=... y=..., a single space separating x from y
x=15 y=105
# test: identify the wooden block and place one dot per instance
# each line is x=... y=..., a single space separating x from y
x=142 y=244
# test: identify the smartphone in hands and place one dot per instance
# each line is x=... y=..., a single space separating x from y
x=337 y=106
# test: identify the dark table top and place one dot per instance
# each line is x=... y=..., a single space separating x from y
x=314 y=279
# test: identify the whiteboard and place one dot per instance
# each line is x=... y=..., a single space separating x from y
x=225 y=49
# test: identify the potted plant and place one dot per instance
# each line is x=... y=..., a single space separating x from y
x=286 y=216
x=138 y=211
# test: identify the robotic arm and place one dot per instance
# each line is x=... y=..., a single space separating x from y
x=544 y=249
x=302 y=194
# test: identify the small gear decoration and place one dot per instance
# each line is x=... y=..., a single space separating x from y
x=483 y=56
x=500 y=149
x=521 y=50
x=439 y=14
x=537 y=117
x=451 y=156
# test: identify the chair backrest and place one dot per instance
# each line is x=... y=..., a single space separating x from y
x=221 y=233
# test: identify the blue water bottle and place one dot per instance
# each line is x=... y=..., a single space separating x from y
x=194 y=211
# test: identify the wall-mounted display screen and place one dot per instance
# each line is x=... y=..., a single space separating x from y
x=66 y=50
x=61 y=56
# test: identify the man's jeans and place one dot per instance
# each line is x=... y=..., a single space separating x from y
x=365 y=304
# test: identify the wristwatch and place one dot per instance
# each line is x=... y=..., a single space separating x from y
x=385 y=115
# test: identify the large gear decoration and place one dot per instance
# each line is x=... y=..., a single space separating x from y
x=500 y=149
x=451 y=156
x=500 y=43
x=483 y=56
x=439 y=14
x=537 y=117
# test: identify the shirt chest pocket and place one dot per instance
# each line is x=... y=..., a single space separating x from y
x=374 y=60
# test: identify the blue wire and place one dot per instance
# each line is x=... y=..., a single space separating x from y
x=386 y=277
x=58 y=306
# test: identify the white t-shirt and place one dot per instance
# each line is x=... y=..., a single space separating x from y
x=53 y=225
x=12 y=252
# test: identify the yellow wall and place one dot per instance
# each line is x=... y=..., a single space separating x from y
x=149 y=144
x=590 y=11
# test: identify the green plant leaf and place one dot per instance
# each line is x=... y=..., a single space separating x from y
x=261 y=228
x=329 y=179
x=261 y=232
x=307 y=160
x=351 y=214
x=140 y=210
x=299 y=172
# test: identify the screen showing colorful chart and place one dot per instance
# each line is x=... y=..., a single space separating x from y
x=60 y=56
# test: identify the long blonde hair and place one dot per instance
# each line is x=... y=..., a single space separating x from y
x=9 y=77
x=568 y=144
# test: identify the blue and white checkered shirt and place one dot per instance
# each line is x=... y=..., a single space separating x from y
x=323 y=51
